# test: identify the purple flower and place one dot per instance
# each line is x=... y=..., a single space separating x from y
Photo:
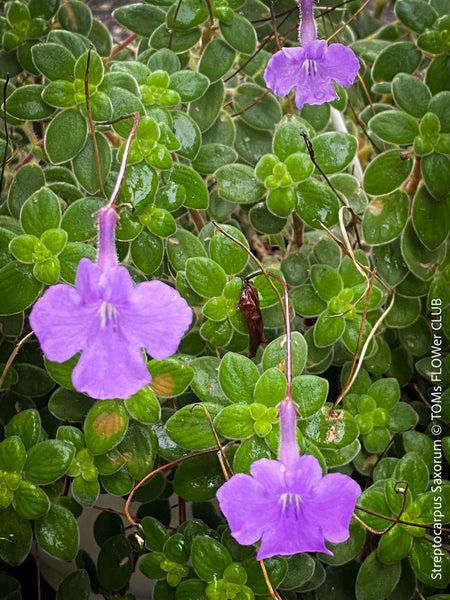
x=289 y=507
x=312 y=68
x=109 y=320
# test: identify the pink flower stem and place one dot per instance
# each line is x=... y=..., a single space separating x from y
x=123 y=164
x=288 y=449
x=107 y=216
x=307 y=31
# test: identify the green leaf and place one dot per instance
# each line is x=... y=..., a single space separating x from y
x=259 y=109
x=386 y=576
x=431 y=219
x=306 y=301
x=385 y=218
x=18 y=288
x=328 y=329
x=249 y=451
x=75 y=16
x=435 y=170
x=404 y=312
x=198 y=478
x=276 y=569
x=195 y=188
x=181 y=246
x=420 y=260
x=26 y=103
x=334 y=150
x=206 y=380
x=79 y=220
x=139 y=186
x=231 y=257
x=345 y=551
x=217 y=59
x=190 y=428
x=235 y=422
x=395 y=126
x=411 y=94
x=140 y=18
x=386 y=172
x=238 y=376
x=213 y=156
x=238 y=183
x=189 y=84
x=400 y=57
x=144 y=406
x=65 y=136
x=394 y=545
x=411 y=468
x=206 y=109
x=16 y=537
x=57 y=533
x=416 y=14
x=139 y=449
x=147 y=251
x=40 y=212
x=317 y=203
x=155 y=533
x=239 y=33
x=205 y=276
x=330 y=429
x=76 y=586
x=310 y=393
x=326 y=281
x=12 y=454
x=270 y=389
x=105 y=426
x=190 y=14
x=188 y=134
x=28 y=179
x=27 y=426
x=275 y=353
x=30 y=501
x=425 y=566
x=48 y=460
x=54 y=61
x=209 y=558
x=170 y=377
x=85 y=165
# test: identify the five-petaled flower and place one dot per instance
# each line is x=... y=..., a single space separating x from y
x=289 y=507
x=311 y=68
x=109 y=320
x=286 y=503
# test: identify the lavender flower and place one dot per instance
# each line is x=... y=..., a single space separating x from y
x=311 y=68
x=109 y=320
x=286 y=503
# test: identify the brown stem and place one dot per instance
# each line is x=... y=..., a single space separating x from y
x=122 y=45
x=412 y=183
x=298 y=227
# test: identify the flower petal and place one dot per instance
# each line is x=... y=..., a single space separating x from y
x=156 y=318
x=110 y=366
x=87 y=281
x=61 y=323
x=247 y=511
x=302 y=475
x=282 y=70
x=340 y=64
x=331 y=505
x=271 y=475
x=290 y=534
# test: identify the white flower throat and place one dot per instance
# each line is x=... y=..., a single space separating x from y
x=290 y=503
x=108 y=315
